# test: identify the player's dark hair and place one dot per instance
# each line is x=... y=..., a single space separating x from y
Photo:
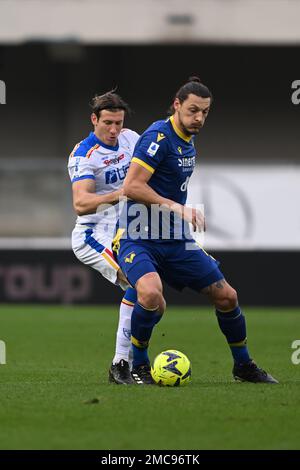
x=109 y=101
x=194 y=86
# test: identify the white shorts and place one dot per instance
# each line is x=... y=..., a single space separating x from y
x=93 y=248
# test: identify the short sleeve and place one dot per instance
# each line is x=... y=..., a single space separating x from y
x=131 y=138
x=150 y=150
x=81 y=168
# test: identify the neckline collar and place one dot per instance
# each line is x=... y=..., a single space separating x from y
x=98 y=141
x=177 y=131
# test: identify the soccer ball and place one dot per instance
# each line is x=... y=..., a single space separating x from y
x=171 y=368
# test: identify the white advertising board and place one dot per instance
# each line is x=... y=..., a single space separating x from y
x=249 y=207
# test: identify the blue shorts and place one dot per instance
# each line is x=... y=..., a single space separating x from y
x=176 y=265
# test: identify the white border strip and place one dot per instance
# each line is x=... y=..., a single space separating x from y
x=235 y=21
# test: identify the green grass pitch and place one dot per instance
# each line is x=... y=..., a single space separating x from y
x=57 y=362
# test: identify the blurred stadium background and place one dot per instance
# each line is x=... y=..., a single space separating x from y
x=54 y=56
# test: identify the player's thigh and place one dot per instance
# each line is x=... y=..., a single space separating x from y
x=93 y=249
x=136 y=259
x=193 y=267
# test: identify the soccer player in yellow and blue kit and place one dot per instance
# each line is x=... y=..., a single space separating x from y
x=162 y=163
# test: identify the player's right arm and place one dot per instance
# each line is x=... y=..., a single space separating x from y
x=136 y=185
x=85 y=199
x=82 y=167
x=136 y=188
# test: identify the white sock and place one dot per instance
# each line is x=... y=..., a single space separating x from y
x=123 y=343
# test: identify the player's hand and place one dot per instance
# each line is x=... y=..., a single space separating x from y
x=195 y=217
x=122 y=279
x=199 y=221
x=120 y=196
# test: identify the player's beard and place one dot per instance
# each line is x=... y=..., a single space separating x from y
x=186 y=131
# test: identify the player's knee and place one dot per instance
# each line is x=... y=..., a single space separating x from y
x=150 y=297
x=227 y=301
x=149 y=291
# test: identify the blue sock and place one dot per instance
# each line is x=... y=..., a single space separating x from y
x=130 y=295
x=233 y=326
x=140 y=356
x=142 y=324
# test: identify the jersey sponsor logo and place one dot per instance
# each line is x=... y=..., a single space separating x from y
x=187 y=163
x=160 y=136
x=112 y=176
x=152 y=149
x=184 y=185
x=115 y=160
x=130 y=257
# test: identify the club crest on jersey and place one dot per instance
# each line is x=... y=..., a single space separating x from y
x=179 y=150
x=152 y=149
x=129 y=258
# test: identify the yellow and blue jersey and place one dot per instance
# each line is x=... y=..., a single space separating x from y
x=170 y=157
